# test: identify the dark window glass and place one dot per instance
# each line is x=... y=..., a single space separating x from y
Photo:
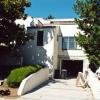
x=40 y=38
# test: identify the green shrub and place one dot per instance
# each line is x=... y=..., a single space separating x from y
x=18 y=74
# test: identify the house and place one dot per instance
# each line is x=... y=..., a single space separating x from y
x=54 y=45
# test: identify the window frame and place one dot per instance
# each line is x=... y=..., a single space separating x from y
x=69 y=43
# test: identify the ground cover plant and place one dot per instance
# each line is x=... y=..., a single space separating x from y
x=18 y=74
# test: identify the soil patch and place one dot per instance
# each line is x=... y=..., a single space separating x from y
x=13 y=91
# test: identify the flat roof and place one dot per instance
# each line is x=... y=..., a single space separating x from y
x=69 y=19
x=41 y=27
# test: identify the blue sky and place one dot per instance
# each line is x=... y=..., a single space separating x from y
x=56 y=8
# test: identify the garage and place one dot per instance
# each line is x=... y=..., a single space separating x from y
x=72 y=67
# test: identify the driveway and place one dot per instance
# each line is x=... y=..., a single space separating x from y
x=59 y=90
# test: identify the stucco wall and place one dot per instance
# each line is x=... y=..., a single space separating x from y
x=40 y=54
x=55 y=53
x=27 y=52
x=77 y=54
x=33 y=81
x=69 y=30
x=94 y=83
x=52 y=48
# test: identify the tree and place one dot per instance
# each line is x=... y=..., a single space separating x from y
x=12 y=35
x=89 y=23
x=50 y=17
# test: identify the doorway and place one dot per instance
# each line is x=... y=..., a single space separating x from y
x=72 y=67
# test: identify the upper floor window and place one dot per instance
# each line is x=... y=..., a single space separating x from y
x=40 y=38
x=69 y=43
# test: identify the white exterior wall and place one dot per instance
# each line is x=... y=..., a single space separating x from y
x=78 y=54
x=33 y=80
x=94 y=83
x=55 y=54
x=28 y=53
x=40 y=54
x=51 y=51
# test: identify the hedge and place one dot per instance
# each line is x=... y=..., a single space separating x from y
x=18 y=74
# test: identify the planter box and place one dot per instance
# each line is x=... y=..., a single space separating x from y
x=33 y=81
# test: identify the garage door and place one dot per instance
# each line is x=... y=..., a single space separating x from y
x=72 y=67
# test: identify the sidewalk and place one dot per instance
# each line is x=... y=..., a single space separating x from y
x=59 y=90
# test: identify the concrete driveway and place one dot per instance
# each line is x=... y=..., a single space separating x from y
x=59 y=90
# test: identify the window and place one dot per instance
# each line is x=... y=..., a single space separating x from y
x=40 y=38
x=68 y=43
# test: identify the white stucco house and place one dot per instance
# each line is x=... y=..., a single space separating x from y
x=54 y=45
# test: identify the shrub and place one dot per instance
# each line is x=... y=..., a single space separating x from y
x=18 y=74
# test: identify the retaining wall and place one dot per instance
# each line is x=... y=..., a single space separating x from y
x=94 y=83
x=33 y=81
